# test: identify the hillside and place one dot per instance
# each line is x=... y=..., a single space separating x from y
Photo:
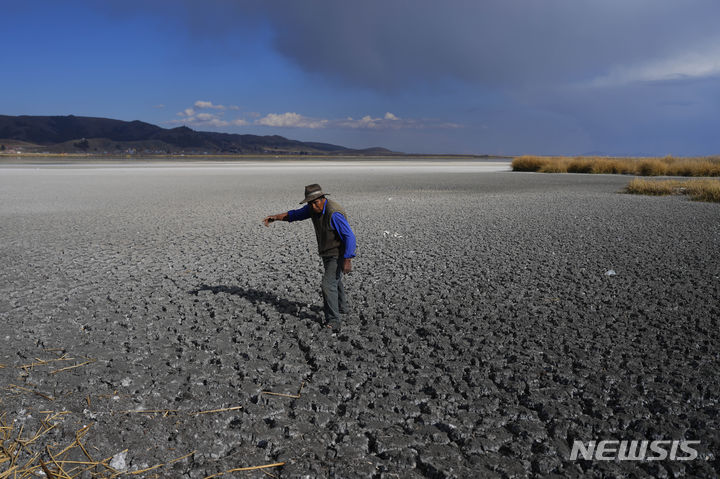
x=77 y=134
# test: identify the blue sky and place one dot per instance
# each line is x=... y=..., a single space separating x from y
x=630 y=77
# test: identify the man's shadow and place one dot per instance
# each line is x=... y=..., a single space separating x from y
x=255 y=296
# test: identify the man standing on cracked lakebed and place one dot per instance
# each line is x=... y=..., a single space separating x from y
x=336 y=246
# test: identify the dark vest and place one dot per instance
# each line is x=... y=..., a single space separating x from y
x=328 y=239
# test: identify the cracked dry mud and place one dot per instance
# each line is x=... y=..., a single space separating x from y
x=484 y=338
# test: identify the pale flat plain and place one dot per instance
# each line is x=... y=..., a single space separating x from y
x=485 y=334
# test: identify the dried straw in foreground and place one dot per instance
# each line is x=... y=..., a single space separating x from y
x=253 y=468
x=293 y=396
x=23 y=456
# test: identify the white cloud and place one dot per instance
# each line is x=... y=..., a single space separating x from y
x=295 y=120
x=215 y=122
x=701 y=63
x=365 y=122
x=208 y=104
x=290 y=120
x=201 y=120
x=389 y=121
x=191 y=117
x=392 y=122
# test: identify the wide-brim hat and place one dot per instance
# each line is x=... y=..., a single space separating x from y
x=313 y=192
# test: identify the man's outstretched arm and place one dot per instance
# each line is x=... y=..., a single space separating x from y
x=273 y=218
x=292 y=215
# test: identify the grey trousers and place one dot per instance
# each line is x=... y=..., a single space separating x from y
x=334 y=299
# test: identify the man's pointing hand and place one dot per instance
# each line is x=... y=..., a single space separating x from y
x=278 y=217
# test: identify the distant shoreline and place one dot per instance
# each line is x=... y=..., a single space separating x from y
x=407 y=165
x=37 y=159
x=247 y=155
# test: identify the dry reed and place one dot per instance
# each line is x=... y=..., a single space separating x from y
x=658 y=166
x=699 y=190
x=293 y=396
x=252 y=468
x=25 y=456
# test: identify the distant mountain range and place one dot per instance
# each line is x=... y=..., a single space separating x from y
x=78 y=134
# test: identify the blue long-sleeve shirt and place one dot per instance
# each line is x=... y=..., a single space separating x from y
x=339 y=223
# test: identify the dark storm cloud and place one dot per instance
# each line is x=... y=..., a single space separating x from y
x=392 y=44
x=576 y=75
x=562 y=76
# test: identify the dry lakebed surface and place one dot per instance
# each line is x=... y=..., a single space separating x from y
x=497 y=317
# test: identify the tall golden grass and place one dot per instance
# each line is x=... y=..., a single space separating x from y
x=700 y=190
x=660 y=166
